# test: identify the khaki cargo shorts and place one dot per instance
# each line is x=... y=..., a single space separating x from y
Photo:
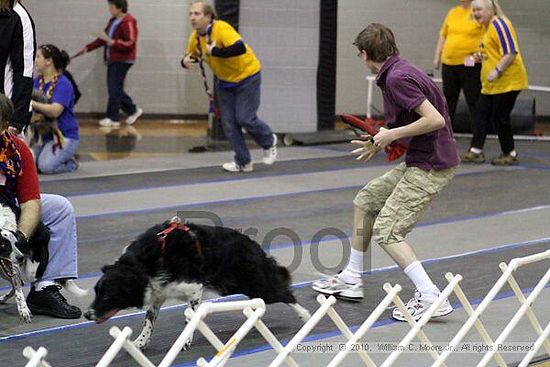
x=398 y=198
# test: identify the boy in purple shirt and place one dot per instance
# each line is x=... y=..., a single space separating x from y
x=388 y=207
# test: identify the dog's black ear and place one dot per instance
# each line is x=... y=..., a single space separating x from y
x=127 y=259
x=106 y=268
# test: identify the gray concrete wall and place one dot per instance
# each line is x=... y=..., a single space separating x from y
x=156 y=81
x=284 y=35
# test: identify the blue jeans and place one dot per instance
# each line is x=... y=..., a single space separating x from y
x=239 y=106
x=62 y=160
x=118 y=99
x=58 y=214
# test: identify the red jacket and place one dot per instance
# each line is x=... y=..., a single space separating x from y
x=125 y=40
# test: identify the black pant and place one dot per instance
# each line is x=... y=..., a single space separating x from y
x=457 y=77
x=495 y=109
x=118 y=99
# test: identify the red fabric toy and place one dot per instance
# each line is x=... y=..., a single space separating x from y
x=371 y=127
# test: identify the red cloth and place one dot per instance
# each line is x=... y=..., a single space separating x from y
x=393 y=151
x=125 y=40
x=27 y=187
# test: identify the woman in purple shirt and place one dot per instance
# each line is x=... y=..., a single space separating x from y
x=388 y=207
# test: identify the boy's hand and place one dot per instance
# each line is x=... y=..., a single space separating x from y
x=367 y=149
x=383 y=138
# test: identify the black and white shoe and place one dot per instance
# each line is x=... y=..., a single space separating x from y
x=49 y=301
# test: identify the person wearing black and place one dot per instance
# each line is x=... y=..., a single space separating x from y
x=17 y=52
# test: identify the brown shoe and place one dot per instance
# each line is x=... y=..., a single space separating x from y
x=471 y=157
x=505 y=160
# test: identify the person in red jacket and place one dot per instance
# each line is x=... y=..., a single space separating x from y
x=120 y=48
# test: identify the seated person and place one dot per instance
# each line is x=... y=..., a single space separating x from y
x=19 y=182
x=56 y=152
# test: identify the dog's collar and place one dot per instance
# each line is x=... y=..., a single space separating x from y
x=174 y=225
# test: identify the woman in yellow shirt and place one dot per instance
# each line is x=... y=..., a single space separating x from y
x=459 y=40
x=503 y=76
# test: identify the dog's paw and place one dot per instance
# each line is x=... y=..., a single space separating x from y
x=186 y=345
x=25 y=315
x=141 y=343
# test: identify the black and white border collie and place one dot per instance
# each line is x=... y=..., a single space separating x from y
x=26 y=265
x=18 y=266
x=176 y=261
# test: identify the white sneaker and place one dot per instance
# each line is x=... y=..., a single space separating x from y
x=234 y=167
x=133 y=117
x=332 y=285
x=417 y=306
x=107 y=122
x=270 y=155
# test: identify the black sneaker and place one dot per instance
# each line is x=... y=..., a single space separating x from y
x=49 y=301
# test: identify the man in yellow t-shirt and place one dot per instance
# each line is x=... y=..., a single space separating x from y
x=459 y=39
x=503 y=76
x=238 y=82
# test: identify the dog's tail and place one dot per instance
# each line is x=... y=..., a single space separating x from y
x=73 y=288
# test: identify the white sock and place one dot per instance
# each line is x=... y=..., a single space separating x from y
x=476 y=150
x=513 y=153
x=40 y=285
x=353 y=271
x=422 y=281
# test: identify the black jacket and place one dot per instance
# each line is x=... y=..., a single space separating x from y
x=17 y=50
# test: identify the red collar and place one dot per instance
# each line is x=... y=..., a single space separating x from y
x=176 y=226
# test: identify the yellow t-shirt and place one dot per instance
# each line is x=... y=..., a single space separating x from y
x=462 y=35
x=228 y=69
x=499 y=39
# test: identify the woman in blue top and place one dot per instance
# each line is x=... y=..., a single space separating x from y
x=53 y=156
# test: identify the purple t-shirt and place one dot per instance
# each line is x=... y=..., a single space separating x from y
x=404 y=88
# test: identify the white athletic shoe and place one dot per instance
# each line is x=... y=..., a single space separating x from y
x=270 y=155
x=133 y=117
x=332 y=285
x=417 y=306
x=107 y=122
x=234 y=167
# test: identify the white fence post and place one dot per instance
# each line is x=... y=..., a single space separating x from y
x=122 y=342
x=519 y=314
x=256 y=309
x=530 y=314
x=479 y=326
x=303 y=332
x=36 y=357
x=538 y=343
x=474 y=317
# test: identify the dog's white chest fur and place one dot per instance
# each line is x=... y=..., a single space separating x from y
x=158 y=289
x=7 y=219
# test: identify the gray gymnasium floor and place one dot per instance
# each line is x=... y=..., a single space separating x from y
x=487 y=215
